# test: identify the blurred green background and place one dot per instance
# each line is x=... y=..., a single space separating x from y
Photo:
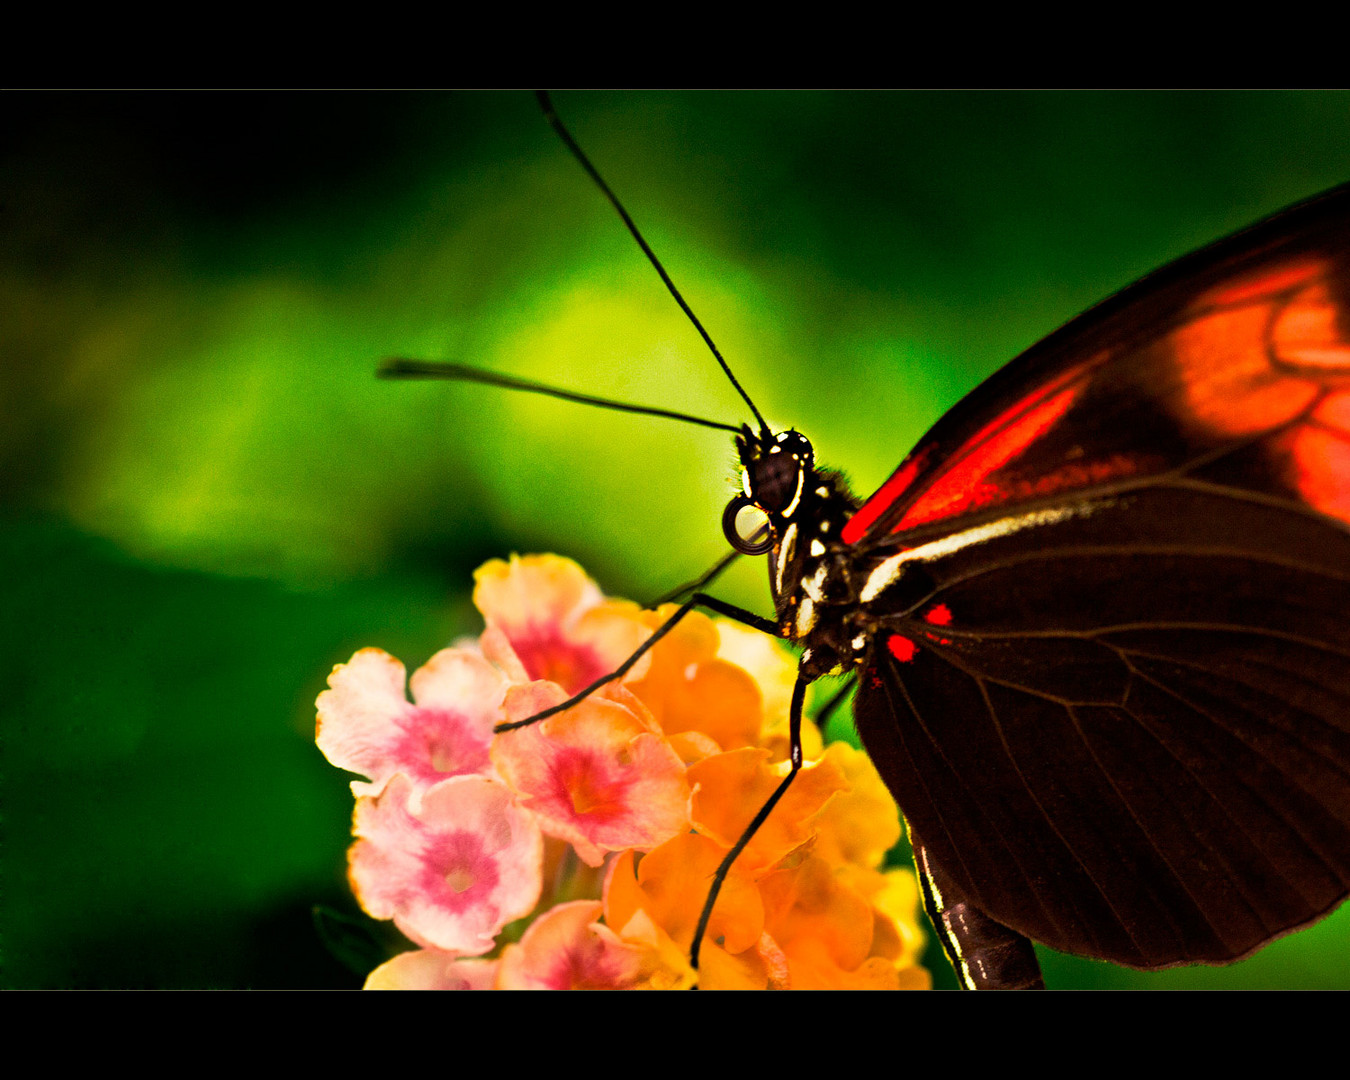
x=208 y=500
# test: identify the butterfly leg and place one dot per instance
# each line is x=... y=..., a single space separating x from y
x=985 y=954
x=720 y=875
x=747 y=618
x=702 y=581
x=730 y=611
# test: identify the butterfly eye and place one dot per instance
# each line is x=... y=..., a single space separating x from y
x=746 y=527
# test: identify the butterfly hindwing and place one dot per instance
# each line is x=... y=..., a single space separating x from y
x=1135 y=751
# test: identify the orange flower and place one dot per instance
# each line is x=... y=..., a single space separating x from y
x=732 y=787
x=688 y=688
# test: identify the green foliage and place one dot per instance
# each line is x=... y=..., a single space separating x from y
x=211 y=500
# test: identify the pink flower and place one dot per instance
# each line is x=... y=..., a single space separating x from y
x=569 y=949
x=366 y=724
x=599 y=775
x=547 y=620
x=451 y=864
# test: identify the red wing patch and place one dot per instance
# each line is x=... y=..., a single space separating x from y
x=884 y=496
x=938 y=615
x=901 y=648
x=965 y=486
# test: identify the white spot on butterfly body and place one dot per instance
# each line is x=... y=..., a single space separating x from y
x=789 y=547
x=806 y=617
x=796 y=495
x=814 y=585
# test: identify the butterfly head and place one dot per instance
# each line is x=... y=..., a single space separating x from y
x=775 y=470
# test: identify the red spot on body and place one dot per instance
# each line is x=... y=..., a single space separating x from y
x=939 y=615
x=901 y=648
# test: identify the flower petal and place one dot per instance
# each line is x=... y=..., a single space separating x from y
x=356 y=716
x=672 y=886
x=688 y=688
x=861 y=824
x=730 y=788
x=428 y=969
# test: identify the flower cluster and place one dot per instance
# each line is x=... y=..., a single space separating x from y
x=604 y=823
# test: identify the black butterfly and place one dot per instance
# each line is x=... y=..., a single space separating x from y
x=1100 y=615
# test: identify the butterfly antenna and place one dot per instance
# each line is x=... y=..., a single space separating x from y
x=399 y=367
x=570 y=143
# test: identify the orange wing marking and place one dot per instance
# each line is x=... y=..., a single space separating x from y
x=1257 y=355
x=1272 y=353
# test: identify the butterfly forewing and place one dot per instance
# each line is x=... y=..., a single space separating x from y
x=1111 y=685
x=1245 y=338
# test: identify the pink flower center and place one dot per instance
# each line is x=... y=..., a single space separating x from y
x=439 y=742
x=460 y=870
x=548 y=656
x=591 y=791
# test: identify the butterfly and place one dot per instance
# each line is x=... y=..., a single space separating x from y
x=1097 y=616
